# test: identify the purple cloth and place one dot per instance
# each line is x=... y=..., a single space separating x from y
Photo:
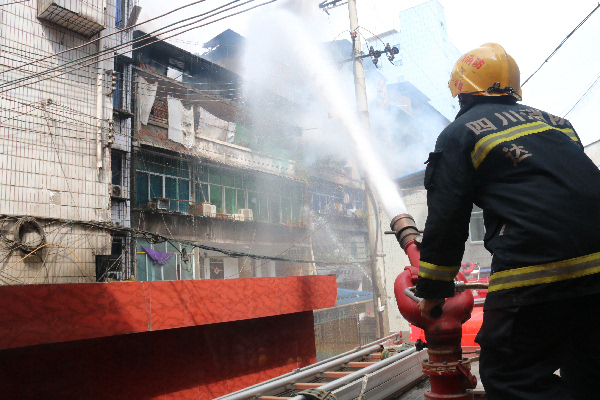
x=158 y=257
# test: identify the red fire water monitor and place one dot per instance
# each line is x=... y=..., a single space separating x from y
x=449 y=373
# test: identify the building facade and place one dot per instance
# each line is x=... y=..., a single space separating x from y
x=220 y=184
x=57 y=135
x=426 y=54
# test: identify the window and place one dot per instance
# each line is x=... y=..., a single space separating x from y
x=179 y=181
x=476 y=227
x=119 y=13
x=163 y=177
x=217 y=268
x=179 y=267
x=337 y=201
x=118 y=93
x=116 y=167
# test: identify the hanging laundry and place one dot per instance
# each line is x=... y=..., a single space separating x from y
x=181 y=123
x=158 y=257
x=214 y=127
x=146 y=94
x=346 y=198
x=230 y=134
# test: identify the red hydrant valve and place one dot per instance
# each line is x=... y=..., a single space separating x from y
x=449 y=373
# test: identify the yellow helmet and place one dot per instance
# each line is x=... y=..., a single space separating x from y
x=486 y=71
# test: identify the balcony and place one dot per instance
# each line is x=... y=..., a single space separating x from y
x=222 y=229
x=84 y=17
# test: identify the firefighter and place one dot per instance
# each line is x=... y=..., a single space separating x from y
x=540 y=196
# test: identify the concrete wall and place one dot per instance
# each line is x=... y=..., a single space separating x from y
x=593 y=151
x=48 y=144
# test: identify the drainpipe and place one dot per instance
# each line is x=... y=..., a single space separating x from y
x=99 y=104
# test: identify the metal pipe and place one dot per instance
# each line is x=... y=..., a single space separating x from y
x=240 y=392
x=411 y=295
x=460 y=286
x=435 y=312
x=405 y=229
x=300 y=375
x=360 y=373
x=99 y=109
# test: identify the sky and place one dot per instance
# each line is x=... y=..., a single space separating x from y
x=529 y=30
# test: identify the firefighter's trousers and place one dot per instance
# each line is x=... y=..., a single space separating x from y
x=523 y=347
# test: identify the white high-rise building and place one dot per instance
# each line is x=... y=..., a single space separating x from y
x=426 y=54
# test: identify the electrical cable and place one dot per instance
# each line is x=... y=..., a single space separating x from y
x=14 y=2
x=584 y=97
x=146 y=36
x=76 y=122
x=50 y=244
x=156 y=40
x=366 y=41
x=105 y=36
x=561 y=43
x=156 y=238
x=17 y=241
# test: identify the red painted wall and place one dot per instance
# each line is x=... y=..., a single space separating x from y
x=201 y=362
x=156 y=340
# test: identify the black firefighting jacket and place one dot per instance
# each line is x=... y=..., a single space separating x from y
x=540 y=196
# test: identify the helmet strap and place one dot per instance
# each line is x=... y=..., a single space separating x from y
x=495 y=88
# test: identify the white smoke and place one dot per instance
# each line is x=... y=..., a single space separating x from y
x=286 y=55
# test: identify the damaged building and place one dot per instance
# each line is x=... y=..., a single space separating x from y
x=204 y=176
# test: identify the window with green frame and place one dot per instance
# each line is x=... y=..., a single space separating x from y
x=164 y=177
x=271 y=199
x=176 y=267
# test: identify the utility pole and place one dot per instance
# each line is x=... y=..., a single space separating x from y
x=362 y=109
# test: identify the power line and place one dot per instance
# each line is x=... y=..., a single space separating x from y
x=147 y=44
x=155 y=237
x=114 y=49
x=584 y=97
x=561 y=43
x=105 y=36
x=14 y=2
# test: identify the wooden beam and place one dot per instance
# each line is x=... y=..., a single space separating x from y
x=311 y=385
x=336 y=374
x=361 y=364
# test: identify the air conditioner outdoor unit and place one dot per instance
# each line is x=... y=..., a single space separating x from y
x=247 y=213
x=117 y=192
x=237 y=217
x=162 y=204
x=209 y=210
